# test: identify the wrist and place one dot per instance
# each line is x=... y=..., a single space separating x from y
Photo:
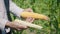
x=8 y=24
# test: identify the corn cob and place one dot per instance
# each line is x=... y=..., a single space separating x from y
x=34 y=15
x=28 y=24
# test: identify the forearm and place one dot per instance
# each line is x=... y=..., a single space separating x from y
x=15 y=9
x=8 y=23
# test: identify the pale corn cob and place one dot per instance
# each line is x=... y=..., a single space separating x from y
x=34 y=15
x=28 y=24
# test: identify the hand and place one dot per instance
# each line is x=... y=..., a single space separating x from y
x=15 y=25
x=29 y=19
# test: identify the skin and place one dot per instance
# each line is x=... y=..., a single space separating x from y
x=20 y=27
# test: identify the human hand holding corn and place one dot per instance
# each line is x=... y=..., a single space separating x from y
x=19 y=24
x=27 y=14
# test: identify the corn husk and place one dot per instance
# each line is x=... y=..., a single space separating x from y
x=34 y=15
x=28 y=24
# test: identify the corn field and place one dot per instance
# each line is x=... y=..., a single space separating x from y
x=51 y=8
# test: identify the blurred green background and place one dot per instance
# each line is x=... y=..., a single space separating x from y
x=51 y=8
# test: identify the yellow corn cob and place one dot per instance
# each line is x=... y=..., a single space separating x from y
x=34 y=15
x=28 y=24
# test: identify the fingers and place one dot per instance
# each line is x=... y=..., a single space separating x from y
x=29 y=10
x=17 y=26
x=29 y=19
x=21 y=27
